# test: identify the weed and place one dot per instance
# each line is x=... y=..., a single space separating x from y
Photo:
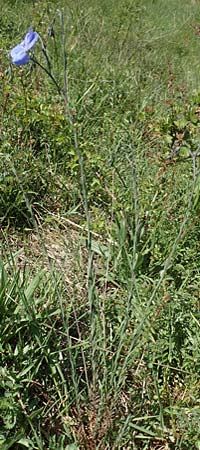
x=99 y=272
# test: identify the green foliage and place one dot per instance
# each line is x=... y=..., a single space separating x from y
x=102 y=351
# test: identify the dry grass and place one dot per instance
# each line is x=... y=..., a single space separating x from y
x=50 y=247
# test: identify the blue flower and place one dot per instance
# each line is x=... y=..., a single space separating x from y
x=19 y=54
x=30 y=39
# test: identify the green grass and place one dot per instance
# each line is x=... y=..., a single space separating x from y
x=100 y=331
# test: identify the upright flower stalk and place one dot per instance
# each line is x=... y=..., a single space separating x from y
x=74 y=129
x=22 y=54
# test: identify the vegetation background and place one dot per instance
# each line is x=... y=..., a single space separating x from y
x=99 y=343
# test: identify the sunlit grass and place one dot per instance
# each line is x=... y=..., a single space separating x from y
x=100 y=345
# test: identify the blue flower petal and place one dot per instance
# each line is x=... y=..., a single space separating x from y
x=19 y=52
x=19 y=56
x=30 y=39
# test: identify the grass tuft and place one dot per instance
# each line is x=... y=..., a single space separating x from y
x=99 y=211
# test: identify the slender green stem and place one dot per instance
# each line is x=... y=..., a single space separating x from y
x=65 y=96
